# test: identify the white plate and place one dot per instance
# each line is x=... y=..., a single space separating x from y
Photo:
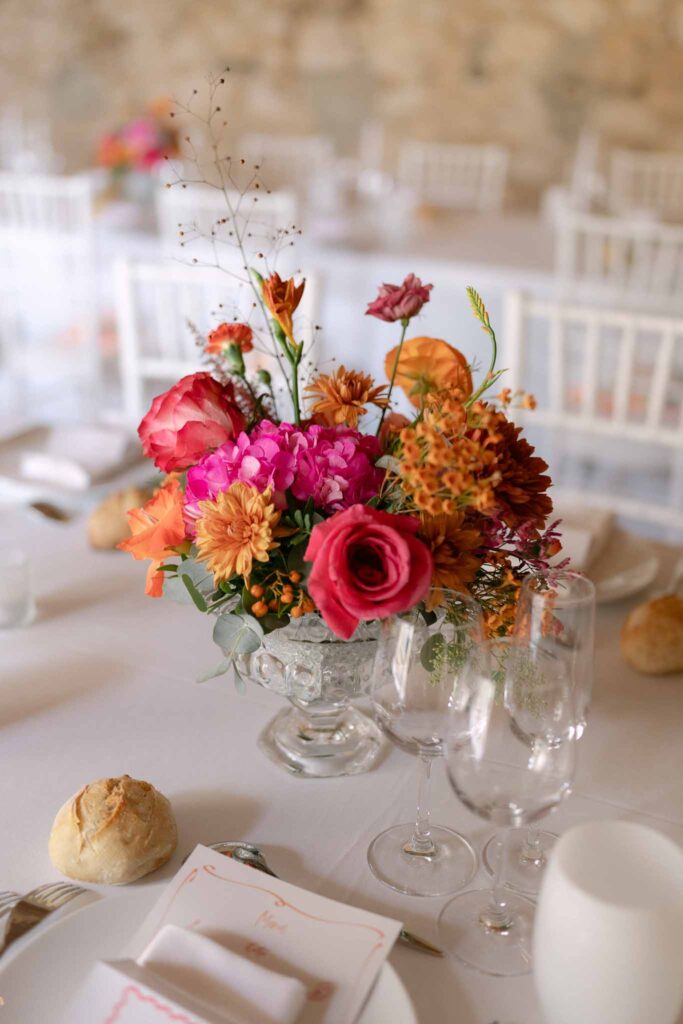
x=626 y=566
x=39 y=978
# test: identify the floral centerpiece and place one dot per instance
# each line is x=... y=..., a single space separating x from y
x=313 y=513
x=139 y=146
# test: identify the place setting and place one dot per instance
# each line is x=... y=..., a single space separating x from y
x=330 y=690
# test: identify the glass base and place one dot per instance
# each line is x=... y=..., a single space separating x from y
x=521 y=873
x=503 y=953
x=347 y=745
x=449 y=869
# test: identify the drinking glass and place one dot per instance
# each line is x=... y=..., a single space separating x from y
x=415 y=682
x=557 y=615
x=510 y=757
x=609 y=927
x=17 y=603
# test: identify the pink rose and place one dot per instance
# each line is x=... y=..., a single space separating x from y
x=400 y=301
x=193 y=417
x=366 y=565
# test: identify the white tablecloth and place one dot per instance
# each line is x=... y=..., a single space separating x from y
x=103 y=684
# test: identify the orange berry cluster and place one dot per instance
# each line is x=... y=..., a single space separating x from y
x=283 y=594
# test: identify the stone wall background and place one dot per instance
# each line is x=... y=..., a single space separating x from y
x=528 y=73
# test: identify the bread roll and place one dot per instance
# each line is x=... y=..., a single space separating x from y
x=652 y=637
x=108 y=523
x=112 y=832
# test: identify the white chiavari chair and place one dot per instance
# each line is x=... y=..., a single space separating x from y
x=611 y=380
x=637 y=262
x=460 y=177
x=584 y=184
x=288 y=161
x=192 y=220
x=162 y=308
x=47 y=272
x=647 y=182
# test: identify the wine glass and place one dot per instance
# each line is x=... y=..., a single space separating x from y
x=558 y=615
x=415 y=682
x=510 y=757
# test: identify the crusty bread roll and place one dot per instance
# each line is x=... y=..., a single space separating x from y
x=113 y=831
x=108 y=523
x=652 y=637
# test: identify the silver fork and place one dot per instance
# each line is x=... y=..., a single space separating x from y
x=26 y=912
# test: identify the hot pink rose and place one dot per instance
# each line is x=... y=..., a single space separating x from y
x=193 y=417
x=366 y=565
x=400 y=301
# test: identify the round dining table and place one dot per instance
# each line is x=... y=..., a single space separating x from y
x=103 y=683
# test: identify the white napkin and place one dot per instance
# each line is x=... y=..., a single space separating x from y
x=243 y=991
x=77 y=457
x=584 y=531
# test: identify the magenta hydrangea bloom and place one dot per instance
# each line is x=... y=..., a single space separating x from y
x=335 y=466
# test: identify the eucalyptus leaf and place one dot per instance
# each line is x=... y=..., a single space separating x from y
x=219 y=670
x=193 y=592
x=237 y=634
x=240 y=684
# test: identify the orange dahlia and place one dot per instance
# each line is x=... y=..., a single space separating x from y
x=344 y=396
x=519 y=491
x=452 y=544
x=235 y=530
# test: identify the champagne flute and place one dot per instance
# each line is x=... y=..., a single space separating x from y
x=510 y=757
x=415 y=682
x=556 y=614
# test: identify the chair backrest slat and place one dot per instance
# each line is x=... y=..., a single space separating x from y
x=289 y=161
x=467 y=177
x=159 y=306
x=646 y=182
x=635 y=262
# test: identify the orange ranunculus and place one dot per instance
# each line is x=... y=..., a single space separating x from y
x=426 y=365
x=282 y=298
x=157 y=529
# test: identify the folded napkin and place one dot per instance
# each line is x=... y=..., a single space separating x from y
x=79 y=456
x=585 y=532
x=228 y=984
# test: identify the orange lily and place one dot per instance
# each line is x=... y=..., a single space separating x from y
x=282 y=298
x=157 y=529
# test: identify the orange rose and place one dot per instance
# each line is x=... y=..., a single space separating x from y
x=426 y=365
x=157 y=529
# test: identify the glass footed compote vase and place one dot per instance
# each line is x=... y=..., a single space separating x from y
x=321 y=735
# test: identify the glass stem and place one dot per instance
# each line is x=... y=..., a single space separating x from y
x=532 y=848
x=497 y=915
x=421 y=844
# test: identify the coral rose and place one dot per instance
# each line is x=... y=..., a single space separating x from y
x=426 y=365
x=399 y=301
x=367 y=565
x=194 y=416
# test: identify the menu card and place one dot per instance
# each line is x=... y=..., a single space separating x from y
x=335 y=950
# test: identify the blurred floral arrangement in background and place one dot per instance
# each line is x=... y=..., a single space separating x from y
x=141 y=144
x=325 y=499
